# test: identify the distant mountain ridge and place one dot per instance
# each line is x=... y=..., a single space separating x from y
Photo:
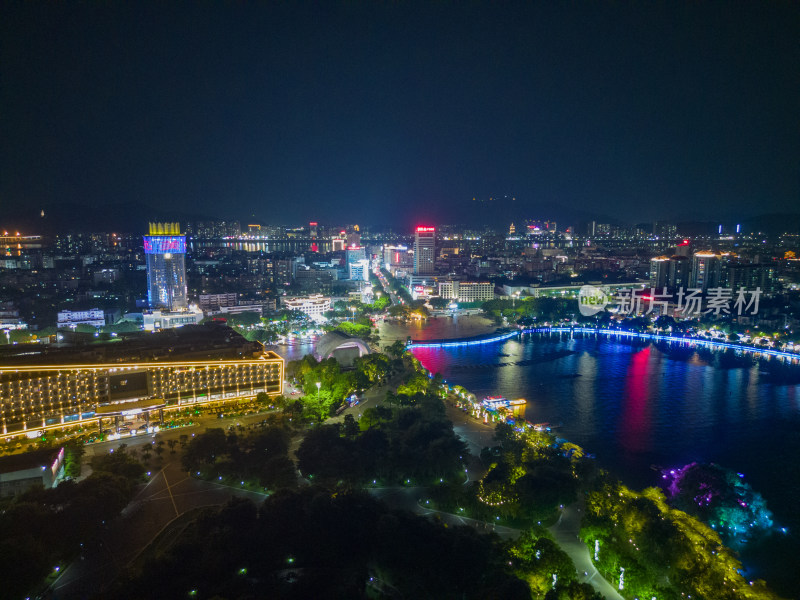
x=134 y=217
x=74 y=217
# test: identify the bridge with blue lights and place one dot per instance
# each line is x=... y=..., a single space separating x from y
x=611 y=333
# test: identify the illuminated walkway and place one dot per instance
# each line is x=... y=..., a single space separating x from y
x=565 y=532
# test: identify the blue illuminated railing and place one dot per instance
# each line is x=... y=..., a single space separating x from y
x=462 y=342
x=667 y=338
x=607 y=332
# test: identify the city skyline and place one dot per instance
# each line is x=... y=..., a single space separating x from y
x=399 y=300
x=637 y=112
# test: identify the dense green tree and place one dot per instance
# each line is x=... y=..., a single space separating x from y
x=396 y=349
x=439 y=303
x=204 y=449
x=73 y=457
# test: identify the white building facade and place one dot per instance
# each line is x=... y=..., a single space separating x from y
x=71 y=318
x=467 y=291
x=315 y=306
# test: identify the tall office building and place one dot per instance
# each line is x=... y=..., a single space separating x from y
x=165 y=249
x=424 y=250
x=358 y=270
x=354 y=253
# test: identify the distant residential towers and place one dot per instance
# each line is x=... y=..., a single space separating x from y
x=706 y=270
x=669 y=271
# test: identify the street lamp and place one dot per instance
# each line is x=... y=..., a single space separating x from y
x=319 y=385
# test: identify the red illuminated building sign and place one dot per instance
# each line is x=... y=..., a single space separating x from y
x=425 y=229
x=162 y=244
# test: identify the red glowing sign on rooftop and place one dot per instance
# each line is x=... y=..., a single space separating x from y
x=685 y=243
x=313 y=224
x=425 y=229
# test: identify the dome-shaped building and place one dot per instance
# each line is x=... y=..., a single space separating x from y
x=344 y=348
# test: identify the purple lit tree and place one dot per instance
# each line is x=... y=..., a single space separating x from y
x=719 y=497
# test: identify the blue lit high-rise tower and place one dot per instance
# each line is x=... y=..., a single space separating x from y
x=165 y=249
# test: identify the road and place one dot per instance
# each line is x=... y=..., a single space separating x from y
x=565 y=532
x=202 y=423
x=413 y=499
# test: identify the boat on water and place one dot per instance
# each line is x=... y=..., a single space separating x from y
x=495 y=402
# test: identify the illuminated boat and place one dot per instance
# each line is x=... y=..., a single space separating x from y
x=495 y=402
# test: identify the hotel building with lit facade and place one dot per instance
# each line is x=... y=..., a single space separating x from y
x=424 y=250
x=194 y=365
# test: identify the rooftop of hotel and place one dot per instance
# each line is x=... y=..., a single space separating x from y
x=213 y=340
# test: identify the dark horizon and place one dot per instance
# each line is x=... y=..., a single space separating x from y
x=134 y=219
x=403 y=113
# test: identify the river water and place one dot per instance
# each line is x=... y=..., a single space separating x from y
x=640 y=406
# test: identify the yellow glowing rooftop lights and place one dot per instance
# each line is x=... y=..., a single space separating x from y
x=16 y=368
x=165 y=229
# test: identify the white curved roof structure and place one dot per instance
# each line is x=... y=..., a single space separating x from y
x=332 y=341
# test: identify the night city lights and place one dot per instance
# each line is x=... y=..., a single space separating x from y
x=399 y=300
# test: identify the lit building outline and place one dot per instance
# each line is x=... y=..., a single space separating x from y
x=165 y=251
x=42 y=397
x=424 y=250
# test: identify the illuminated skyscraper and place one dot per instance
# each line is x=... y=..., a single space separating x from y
x=659 y=271
x=424 y=250
x=705 y=271
x=165 y=249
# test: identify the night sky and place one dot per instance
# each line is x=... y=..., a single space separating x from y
x=396 y=112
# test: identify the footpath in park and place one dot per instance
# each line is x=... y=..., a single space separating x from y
x=565 y=531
